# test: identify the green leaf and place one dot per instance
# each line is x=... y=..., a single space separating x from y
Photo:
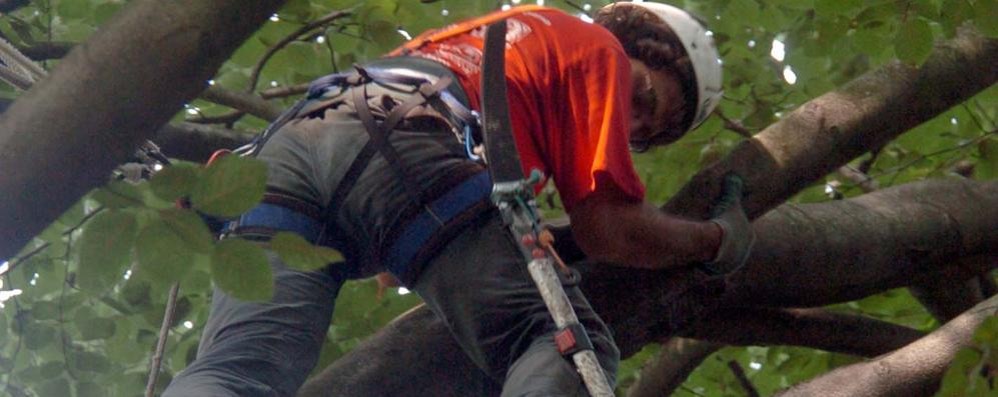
x=96 y=328
x=87 y=361
x=827 y=8
x=954 y=382
x=987 y=167
x=135 y=293
x=986 y=17
x=230 y=186
x=174 y=181
x=51 y=369
x=987 y=332
x=90 y=389
x=913 y=42
x=105 y=250
x=45 y=310
x=240 y=268
x=54 y=387
x=37 y=336
x=70 y=9
x=119 y=194
x=190 y=227
x=163 y=255
x=105 y=11
x=299 y=254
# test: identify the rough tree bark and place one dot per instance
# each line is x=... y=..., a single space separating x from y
x=64 y=136
x=914 y=370
x=819 y=137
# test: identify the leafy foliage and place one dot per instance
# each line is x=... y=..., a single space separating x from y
x=81 y=328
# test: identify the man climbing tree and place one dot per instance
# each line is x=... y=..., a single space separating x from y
x=381 y=164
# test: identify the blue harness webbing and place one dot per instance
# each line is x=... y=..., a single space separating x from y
x=276 y=217
x=422 y=227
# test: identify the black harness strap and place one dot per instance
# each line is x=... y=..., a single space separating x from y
x=379 y=132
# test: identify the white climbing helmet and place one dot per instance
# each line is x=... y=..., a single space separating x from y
x=699 y=44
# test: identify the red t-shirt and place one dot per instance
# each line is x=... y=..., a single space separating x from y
x=569 y=90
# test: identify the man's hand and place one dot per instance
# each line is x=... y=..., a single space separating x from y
x=738 y=237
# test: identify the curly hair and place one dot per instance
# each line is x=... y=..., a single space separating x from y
x=645 y=37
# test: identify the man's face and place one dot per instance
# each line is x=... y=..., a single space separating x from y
x=657 y=107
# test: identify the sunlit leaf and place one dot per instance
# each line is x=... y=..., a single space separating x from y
x=299 y=254
x=240 y=268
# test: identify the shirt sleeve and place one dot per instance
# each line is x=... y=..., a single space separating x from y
x=593 y=153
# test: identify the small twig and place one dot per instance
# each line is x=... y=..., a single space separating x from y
x=691 y=391
x=742 y=379
x=578 y=7
x=319 y=23
x=859 y=178
x=62 y=319
x=897 y=170
x=286 y=91
x=164 y=331
x=250 y=103
x=734 y=125
x=227 y=118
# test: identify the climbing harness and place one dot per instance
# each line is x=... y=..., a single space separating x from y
x=513 y=195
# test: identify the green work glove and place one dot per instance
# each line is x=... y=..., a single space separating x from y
x=738 y=238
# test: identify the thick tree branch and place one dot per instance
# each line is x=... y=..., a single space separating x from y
x=883 y=240
x=914 y=370
x=830 y=130
x=814 y=328
x=135 y=73
x=670 y=368
x=848 y=249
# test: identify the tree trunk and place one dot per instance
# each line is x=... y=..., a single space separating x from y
x=64 y=136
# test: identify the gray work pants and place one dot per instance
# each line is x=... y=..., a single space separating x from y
x=479 y=284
